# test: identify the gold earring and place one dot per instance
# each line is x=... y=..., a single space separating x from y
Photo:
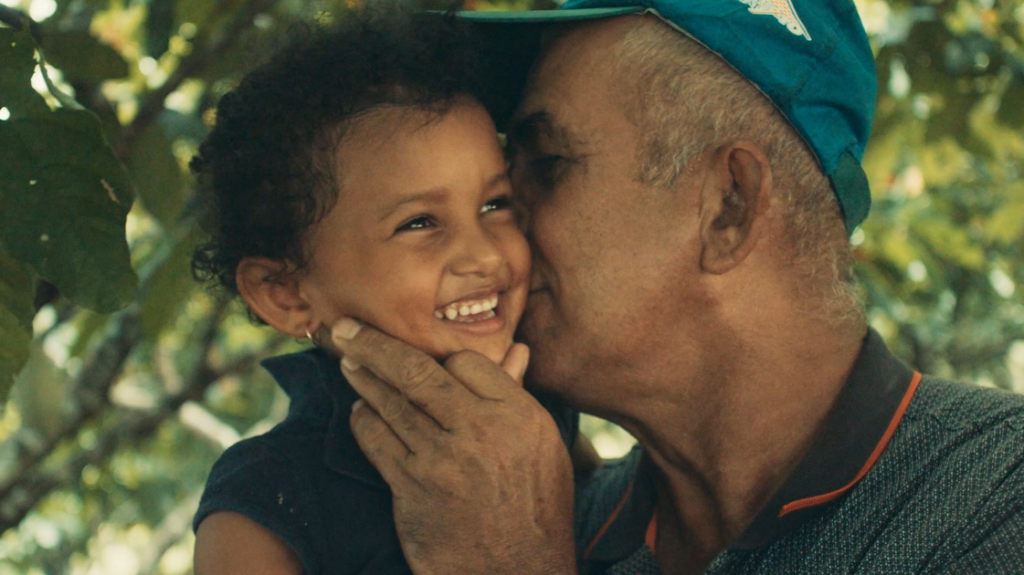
x=312 y=338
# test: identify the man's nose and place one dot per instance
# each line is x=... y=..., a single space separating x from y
x=522 y=211
x=477 y=253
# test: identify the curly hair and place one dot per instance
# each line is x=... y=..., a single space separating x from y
x=267 y=171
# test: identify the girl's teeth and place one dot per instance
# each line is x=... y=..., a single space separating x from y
x=454 y=311
x=488 y=315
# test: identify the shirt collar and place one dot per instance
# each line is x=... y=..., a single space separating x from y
x=855 y=432
x=319 y=393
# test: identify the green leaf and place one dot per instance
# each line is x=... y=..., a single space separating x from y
x=64 y=196
x=159 y=24
x=942 y=162
x=40 y=391
x=83 y=58
x=86 y=324
x=1010 y=111
x=1007 y=224
x=168 y=289
x=157 y=176
x=194 y=11
x=17 y=63
x=16 y=290
x=64 y=199
x=951 y=242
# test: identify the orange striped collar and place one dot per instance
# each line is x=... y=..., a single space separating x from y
x=853 y=436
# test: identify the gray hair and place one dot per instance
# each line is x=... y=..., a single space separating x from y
x=685 y=99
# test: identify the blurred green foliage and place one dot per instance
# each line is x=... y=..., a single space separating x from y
x=128 y=390
x=940 y=256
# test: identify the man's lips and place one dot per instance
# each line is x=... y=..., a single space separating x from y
x=538 y=283
x=536 y=297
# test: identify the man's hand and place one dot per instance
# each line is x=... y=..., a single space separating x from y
x=482 y=482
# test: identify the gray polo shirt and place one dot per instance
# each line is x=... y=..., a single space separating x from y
x=907 y=475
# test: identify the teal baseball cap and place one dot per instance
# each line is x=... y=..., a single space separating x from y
x=811 y=58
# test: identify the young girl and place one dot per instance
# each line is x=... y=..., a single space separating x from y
x=356 y=174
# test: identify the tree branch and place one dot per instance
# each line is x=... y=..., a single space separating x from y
x=132 y=428
x=167 y=533
x=18 y=20
x=25 y=478
x=190 y=66
x=89 y=389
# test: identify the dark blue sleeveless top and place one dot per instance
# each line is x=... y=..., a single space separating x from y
x=307 y=481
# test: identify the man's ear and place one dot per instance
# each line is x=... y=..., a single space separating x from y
x=735 y=200
x=273 y=294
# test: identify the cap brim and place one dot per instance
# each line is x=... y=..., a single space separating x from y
x=513 y=42
x=545 y=16
x=510 y=43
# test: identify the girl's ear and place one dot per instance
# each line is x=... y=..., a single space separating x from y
x=274 y=296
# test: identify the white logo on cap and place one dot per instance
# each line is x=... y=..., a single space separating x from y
x=783 y=11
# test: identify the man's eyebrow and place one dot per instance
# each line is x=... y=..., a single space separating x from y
x=530 y=131
x=433 y=195
x=525 y=132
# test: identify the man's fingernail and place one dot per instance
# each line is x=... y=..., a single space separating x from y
x=357 y=404
x=349 y=364
x=346 y=328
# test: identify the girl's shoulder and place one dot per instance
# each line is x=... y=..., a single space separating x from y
x=284 y=482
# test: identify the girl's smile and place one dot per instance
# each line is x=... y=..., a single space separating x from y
x=422 y=241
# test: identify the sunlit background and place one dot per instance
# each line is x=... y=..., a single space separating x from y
x=114 y=423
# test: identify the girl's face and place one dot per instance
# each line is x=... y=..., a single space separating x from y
x=422 y=242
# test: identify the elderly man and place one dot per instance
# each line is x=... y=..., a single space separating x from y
x=691 y=170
